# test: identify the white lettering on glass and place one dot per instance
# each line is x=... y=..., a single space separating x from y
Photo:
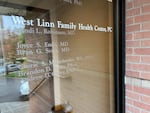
x=44 y=23
x=22 y=21
x=62 y=25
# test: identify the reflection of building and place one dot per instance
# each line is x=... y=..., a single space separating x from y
x=42 y=88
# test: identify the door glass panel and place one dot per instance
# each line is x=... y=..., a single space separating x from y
x=56 y=56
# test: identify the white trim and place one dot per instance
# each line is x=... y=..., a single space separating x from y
x=137 y=82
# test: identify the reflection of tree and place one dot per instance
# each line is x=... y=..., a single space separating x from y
x=10 y=43
x=10 y=47
x=22 y=37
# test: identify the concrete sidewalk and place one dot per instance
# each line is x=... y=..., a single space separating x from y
x=14 y=107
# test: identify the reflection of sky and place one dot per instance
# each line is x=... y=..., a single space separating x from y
x=9 y=24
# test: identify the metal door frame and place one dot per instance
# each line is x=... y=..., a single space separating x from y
x=119 y=55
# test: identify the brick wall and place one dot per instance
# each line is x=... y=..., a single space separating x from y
x=137 y=56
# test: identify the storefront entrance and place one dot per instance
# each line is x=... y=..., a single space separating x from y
x=61 y=52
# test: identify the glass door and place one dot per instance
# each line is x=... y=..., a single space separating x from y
x=57 y=56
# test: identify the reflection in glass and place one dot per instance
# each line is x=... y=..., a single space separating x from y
x=57 y=56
